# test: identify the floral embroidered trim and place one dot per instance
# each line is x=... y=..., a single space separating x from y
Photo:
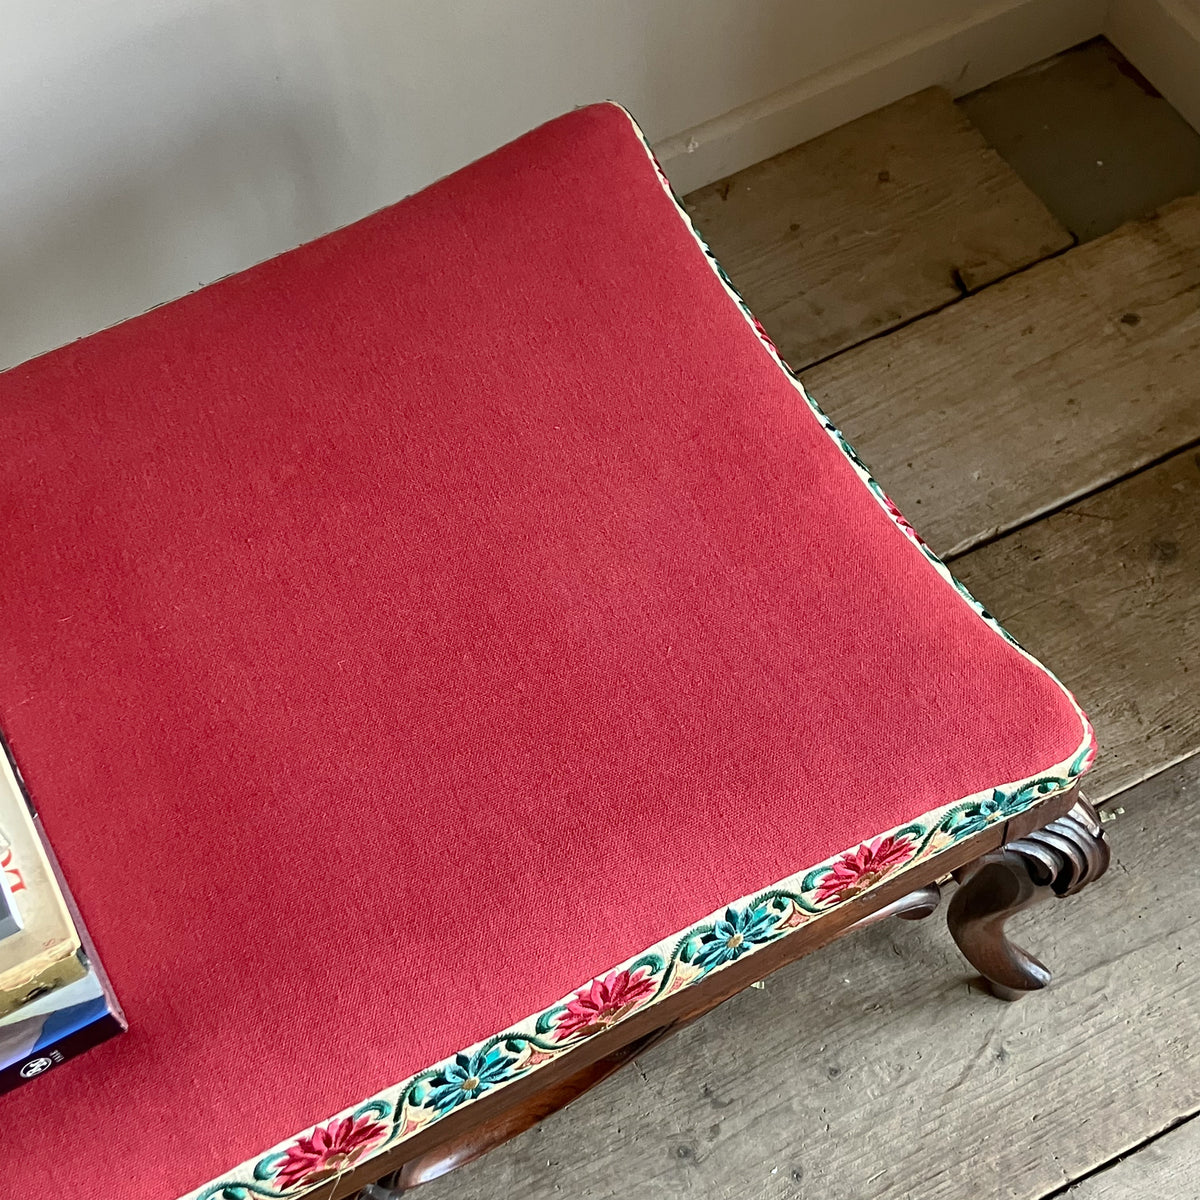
x=359 y=1134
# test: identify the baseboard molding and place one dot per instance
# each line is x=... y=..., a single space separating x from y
x=1002 y=37
x=1162 y=39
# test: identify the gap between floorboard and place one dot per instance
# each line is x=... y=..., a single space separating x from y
x=995 y=535
x=1067 y=1188
x=964 y=294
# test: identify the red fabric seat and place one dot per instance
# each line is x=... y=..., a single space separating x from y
x=405 y=632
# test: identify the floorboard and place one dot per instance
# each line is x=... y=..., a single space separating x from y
x=1038 y=390
x=1107 y=592
x=1090 y=136
x=872 y=225
x=1166 y=1169
x=872 y=1071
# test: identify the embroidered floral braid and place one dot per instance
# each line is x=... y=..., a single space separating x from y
x=741 y=929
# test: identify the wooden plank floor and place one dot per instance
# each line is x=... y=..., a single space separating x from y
x=1045 y=430
x=1107 y=592
x=1091 y=136
x=1167 y=1167
x=873 y=224
x=1040 y=389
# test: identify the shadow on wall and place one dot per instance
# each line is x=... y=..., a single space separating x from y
x=127 y=187
x=174 y=220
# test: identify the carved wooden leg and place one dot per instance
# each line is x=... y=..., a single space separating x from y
x=1057 y=860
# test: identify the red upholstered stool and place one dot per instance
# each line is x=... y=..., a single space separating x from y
x=452 y=653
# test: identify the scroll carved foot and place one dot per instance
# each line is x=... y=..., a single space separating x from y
x=1057 y=860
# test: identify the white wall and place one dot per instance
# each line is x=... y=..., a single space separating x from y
x=1162 y=39
x=150 y=146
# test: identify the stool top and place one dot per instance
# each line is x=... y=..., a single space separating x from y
x=403 y=633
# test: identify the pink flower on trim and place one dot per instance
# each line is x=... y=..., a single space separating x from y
x=898 y=517
x=329 y=1150
x=764 y=335
x=860 y=869
x=604 y=1002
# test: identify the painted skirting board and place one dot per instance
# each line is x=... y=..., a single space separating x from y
x=960 y=55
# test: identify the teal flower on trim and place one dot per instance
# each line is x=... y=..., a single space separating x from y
x=1023 y=797
x=467 y=1077
x=975 y=818
x=736 y=933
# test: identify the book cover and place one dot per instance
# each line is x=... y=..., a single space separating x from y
x=55 y=1000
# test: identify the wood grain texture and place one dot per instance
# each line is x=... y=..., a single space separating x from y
x=871 y=225
x=1166 y=1169
x=1040 y=389
x=1108 y=593
x=871 y=1071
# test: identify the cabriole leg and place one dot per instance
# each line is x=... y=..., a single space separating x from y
x=1057 y=860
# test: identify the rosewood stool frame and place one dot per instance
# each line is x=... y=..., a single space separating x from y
x=1053 y=849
